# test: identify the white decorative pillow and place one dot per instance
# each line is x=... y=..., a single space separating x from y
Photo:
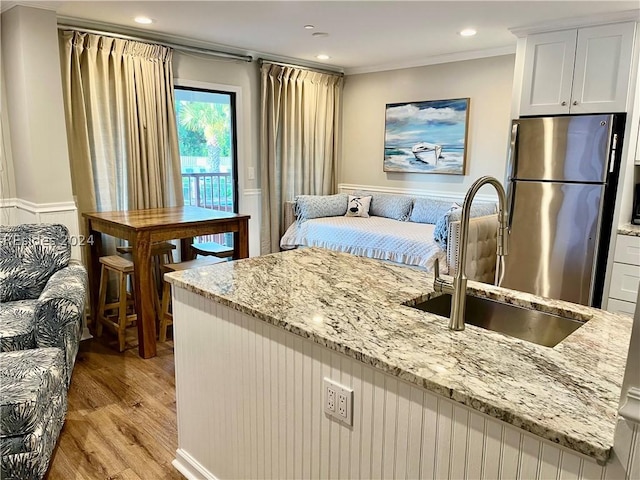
x=358 y=206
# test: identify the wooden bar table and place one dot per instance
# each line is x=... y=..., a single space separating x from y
x=144 y=227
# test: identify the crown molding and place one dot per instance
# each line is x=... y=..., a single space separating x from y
x=52 y=6
x=435 y=60
x=586 y=21
x=189 y=42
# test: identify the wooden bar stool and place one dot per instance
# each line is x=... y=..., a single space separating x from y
x=162 y=254
x=166 y=317
x=212 y=249
x=119 y=319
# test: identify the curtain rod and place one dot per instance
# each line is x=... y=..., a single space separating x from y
x=177 y=46
x=311 y=69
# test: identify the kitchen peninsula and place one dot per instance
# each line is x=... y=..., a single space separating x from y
x=255 y=338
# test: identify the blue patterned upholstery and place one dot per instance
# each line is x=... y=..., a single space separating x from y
x=42 y=299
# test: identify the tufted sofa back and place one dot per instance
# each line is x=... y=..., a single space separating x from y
x=29 y=255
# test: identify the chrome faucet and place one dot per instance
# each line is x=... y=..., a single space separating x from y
x=458 y=289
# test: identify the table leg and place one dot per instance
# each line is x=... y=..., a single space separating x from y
x=144 y=290
x=93 y=251
x=241 y=240
x=186 y=252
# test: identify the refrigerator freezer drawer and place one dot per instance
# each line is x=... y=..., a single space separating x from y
x=624 y=282
x=552 y=239
x=563 y=149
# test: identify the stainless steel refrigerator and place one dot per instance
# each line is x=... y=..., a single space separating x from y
x=562 y=182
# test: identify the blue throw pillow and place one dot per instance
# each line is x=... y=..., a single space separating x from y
x=316 y=206
x=396 y=207
x=441 y=231
x=429 y=210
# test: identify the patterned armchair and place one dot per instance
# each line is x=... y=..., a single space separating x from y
x=42 y=298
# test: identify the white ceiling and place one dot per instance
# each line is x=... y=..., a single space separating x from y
x=363 y=35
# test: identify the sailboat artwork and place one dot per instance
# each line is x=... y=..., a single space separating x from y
x=424 y=152
x=426 y=137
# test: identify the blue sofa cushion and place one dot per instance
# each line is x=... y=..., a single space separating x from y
x=429 y=210
x=29 y=255
x=441 y=231
x=17 y=325
x=317 y=206
x=396 y=207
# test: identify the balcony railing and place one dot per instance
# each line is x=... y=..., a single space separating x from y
x=213 y=191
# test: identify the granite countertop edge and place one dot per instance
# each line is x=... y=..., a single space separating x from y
x=597 y=449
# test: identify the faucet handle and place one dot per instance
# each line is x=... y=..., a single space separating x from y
x=436 y=269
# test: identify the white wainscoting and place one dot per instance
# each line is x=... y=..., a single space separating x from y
x=7 y=211
x=251 y=204
x=453 y=197
x=249 y=401
x=66 y=213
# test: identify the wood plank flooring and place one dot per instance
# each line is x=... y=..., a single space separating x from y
x=121 y=421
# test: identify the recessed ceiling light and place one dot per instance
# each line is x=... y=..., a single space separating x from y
x=143 y=20
x=467 y=32
x=309 y=27
x=320 y=34
x=323 y=56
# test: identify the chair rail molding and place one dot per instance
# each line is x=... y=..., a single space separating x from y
x=65 y=213
x=454 y=197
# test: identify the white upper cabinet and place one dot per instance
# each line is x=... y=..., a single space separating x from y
x=583 y=70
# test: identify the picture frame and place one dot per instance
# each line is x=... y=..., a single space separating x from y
x=428 y=136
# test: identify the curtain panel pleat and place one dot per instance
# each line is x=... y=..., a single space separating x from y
x=299 y=139
x=120 y=114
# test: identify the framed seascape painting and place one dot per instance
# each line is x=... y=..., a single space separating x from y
x=426 y=137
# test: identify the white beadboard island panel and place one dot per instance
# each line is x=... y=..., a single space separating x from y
x=250 y=406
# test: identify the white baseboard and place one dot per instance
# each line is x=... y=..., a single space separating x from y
x=190 y=468
x=453 y=197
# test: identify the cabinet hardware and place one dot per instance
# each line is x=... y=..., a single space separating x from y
x=563 y=103
x=575 y=102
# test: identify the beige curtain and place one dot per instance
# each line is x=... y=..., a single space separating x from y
x=121 y=126
x=298 y=141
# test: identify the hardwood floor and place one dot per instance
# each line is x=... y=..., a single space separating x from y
x=121 y=421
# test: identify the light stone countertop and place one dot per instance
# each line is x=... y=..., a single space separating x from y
x=567 y=394
x=629 y=229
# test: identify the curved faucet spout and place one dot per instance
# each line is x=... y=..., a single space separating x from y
x=459 y=286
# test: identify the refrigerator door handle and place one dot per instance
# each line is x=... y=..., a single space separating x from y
x=511 y=195
x=612 y=161
x=512 y=161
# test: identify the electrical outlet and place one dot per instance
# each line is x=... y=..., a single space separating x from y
x=331 y=399
x=338 y=402
x=342 y=405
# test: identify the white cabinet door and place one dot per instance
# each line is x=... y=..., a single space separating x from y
x=602 y=67
x=624 y=282
x=620 y=306
x=548 y=73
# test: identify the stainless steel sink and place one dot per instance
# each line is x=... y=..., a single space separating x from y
x=530 y=325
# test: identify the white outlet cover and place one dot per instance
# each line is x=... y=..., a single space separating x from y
x=342 y=401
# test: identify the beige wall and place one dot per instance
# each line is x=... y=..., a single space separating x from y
x=487 y=82
x=35 y=106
